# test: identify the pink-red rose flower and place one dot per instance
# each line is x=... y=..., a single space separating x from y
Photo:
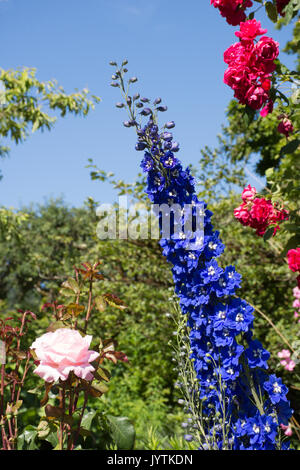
x=242 y=214
x=267 y=49
x=256 y=97
x=249 y=193
x=285 y=127
x=61 y=352
x=294 y=259
x=249 y=30
x=232 y=10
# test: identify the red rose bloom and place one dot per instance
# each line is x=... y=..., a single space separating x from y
x=293 y=257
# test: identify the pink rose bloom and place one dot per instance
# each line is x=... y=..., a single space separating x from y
x=285 y=127
x=261 y=211
x=287 y=430
x=62 y=351
x=294 y=259
x=256 y=97
x=249 y=193
x=249 y=30
x=242 y=214
x=232 y=10
x=296 y=292
x=296 y=303
x=290 y=365
x=267 y=50
x=284 y=354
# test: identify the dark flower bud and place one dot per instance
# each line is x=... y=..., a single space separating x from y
x=114 y=77
x=133 y=80
x=114 y=84
x=125 y=70
x=125 y=62
x=162 y=108
x=140 y=132
x=126 y=124
x=157 y=101
x=133 y=122
x=140 y=146
x=145 y=100
x=154 y=150
x=119 y=105
x=154 y=129
x=128 y=100
x=175 y=147
x=167 y=136
x=114 y=64
x=139 y=105
x=146 y=112
x=170 y=124
x=136 y=96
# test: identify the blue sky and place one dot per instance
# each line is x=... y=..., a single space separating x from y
x=174 y=47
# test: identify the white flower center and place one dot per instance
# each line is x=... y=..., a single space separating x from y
x=276 y=387
x=256 y=429
x=239 y=317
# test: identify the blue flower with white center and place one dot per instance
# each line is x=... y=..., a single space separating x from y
x=257 y=356
x=168 y=160
x=276 y=389
x=211 y=272
x=147 y=162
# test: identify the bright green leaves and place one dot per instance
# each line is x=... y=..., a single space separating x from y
x=26 y=102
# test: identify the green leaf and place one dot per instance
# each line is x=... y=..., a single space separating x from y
x=268 y=233
x=28 y=436
x=122 y=432
x=271 y=11
x=291 y=147
x=71 y=284
x=88 y=419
